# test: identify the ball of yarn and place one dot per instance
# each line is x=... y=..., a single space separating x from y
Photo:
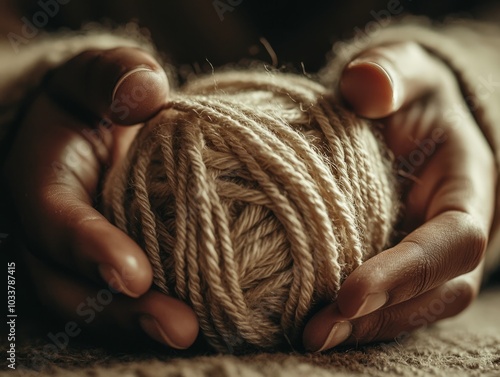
x=254 y=195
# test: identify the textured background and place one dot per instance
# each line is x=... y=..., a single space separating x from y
x=467 y=345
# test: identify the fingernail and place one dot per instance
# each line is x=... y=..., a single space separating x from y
x=115 y=281
x=151 y=327
x=143 y=91
x=123 y=79
x=372 y=302
x=339 y=333
x=391 y=75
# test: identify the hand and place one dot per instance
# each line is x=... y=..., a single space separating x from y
x=435 y=271
x=53 y=172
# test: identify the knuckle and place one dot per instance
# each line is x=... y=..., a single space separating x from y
x=424 y=275
x=424 y=272
x=414 y=48
x=475 y=241
x=80 y=216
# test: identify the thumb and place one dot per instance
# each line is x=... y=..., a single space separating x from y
x=380 y=81
x=123 y=85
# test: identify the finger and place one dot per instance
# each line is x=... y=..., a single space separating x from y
x=125 y=85
x=329 y=328
x=53 y=187
x=448 y=245
x=455 y=202
x=162 y=318
x=382 y=80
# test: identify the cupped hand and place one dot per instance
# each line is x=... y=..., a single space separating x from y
x=82 y=266
x=435 y=271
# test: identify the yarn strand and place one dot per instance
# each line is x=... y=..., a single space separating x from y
x=254 y=195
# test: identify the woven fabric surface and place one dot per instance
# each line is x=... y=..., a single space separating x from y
x=467 y=345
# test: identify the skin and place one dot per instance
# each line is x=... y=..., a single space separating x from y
x=53 y=171
x=435 y=271
x=448 y=207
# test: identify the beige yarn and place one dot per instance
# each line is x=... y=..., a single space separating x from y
x=254 y=195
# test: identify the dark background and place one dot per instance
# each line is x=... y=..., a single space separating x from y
x=191 y=31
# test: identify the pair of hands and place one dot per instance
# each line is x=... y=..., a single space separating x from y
x=57 y=160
